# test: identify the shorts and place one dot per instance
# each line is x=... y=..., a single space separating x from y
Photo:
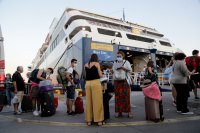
x=35 y=92
x=18 y=97
x=71 y=92
x=195 y=78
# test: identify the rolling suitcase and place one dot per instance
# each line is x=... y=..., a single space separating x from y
x=56 y=102
x=47 y=103
x=106 y=100
x=79 y=105
x=153 y=110
x=26 y=105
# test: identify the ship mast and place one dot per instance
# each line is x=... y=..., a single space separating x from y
x=124 y=15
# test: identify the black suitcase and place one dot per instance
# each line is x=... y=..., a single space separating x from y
x=26 y=105
x=3 y=101
x=106 y=99
x=47 y=103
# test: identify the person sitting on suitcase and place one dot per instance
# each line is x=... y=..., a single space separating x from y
x=71 y=87
x=38 y=75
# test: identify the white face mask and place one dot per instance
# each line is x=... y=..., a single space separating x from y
x=119 y=58
x=48 y=73
x=75 y=64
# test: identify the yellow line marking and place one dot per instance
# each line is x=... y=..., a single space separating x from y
x=112 y=124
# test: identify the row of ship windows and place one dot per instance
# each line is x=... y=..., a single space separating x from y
x=112 y=26
x=62 y=34
x=101 y=31
x=116 y=34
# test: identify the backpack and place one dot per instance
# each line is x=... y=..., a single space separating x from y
x=119 y=74
x=33 y=76
x=79 y=105
x=75 y=77
x=61 y=77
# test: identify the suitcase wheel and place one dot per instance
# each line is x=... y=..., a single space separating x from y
x=156 y=120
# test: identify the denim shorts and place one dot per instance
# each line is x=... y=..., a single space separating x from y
x=71 y=92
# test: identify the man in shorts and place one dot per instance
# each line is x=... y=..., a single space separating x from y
x=193 y=63
x=71 y=87
x=19 y=86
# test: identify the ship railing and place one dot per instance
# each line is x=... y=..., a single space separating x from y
x=138 y=78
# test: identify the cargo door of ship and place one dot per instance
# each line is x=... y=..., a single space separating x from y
x=137 y=57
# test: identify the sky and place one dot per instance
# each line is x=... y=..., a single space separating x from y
x=25 y=23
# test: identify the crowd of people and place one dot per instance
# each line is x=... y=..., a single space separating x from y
x=180 y=71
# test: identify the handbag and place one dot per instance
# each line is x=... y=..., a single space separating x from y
x=120 y=74
x=129 y=79
x=152 y=91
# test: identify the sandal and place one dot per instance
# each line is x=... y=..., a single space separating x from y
x=119 y=115
x=174 y=103
x=101 y=123
x=89 y=124
x=130 y=115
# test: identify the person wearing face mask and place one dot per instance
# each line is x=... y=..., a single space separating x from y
x=121 y=70
x=41 y=75
x=71 y=74
x=19 y=86
x=9 y=89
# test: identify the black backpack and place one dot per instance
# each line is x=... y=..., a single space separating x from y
x=33 y=76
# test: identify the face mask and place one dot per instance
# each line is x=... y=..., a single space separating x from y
x=48 y=73
x=75 y=64
x=119 y=59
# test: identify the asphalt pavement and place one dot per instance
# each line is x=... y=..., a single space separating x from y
x=61 y=122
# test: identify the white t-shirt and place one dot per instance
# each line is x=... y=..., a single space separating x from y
x=70 y=71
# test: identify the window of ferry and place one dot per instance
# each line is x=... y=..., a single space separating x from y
x=109 y=32
x=139 y=38
x=165 y=43
x=77 y=29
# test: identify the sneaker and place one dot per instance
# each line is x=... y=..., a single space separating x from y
x=178 y=111
x=35 y=113
x=187 y=113
x=17 y=113
x=72 y=113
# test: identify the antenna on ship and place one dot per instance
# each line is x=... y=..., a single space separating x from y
x=123 y=15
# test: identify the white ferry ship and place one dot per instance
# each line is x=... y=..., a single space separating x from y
x=78 y=34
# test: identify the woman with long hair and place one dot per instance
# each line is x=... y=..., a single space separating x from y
x=94 y=95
